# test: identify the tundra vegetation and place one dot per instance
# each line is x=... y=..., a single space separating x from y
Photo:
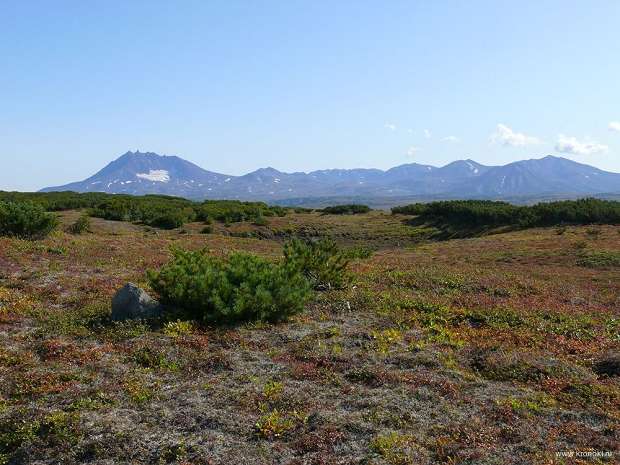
x=349 y=209
x=306 y=338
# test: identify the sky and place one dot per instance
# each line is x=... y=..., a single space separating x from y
x=302 y=85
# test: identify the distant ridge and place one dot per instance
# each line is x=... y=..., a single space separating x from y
x=139 y=173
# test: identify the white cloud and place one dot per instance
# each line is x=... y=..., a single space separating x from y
x=614 y=126
x=451 y=139
x=427 y=134
x=506 y=136
x=390 y=126
x=412 y=151
x=571 y=145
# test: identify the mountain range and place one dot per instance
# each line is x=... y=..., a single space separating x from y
x=140 y=173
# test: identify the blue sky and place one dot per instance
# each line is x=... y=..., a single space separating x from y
x=303 y=85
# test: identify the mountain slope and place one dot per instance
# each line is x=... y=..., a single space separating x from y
x=148 y=173
x=139 y=173
x=549 y=175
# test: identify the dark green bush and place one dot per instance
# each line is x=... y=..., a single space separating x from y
x=411 y=209
x=56 y=201
x=486 y=213
x=260 y=221
x=322 y=262
x=351 y=209
x=234 y=211
x=158 y=211
x=81 y=225
x=25 y=219
x=162 y=211
x=358 y=252
x=171 y=219
x=242 y=288
x=599 y=259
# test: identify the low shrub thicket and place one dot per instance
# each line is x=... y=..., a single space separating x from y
x=241 y=288
x=350 y=209
x=245 y=287
x=321 y=262
x=170 y=213
x=25 y=219
x=260 y=221
x=56 y=201
x=234 y=211
x=160 y=211
x=480 y=213
x=80 y=226
x=599 y=259
x=358 y=252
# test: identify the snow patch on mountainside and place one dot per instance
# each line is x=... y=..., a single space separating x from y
x=155 y=176
x=472 y=167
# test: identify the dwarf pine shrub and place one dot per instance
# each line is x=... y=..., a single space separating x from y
x=234 y=211
x=349 y=209
x=81 y=225
x=476 y=213
x=242 y=287
x=171 y=219
x=25 y=219
x=322 y=262
x=260 y=220
x=358 y=252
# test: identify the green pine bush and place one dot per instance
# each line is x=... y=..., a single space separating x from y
x=260 y=221
x=242 y=287
x=26 y=220
x=161 y=211
x=478 y=213
x=171 y=219
x=81 y=225
x=322 y=262
x=349 y=209
x=358 y=252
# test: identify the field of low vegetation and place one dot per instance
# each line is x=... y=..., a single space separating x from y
x=445 y=333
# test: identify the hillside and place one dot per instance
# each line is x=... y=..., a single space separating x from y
x=139 y=173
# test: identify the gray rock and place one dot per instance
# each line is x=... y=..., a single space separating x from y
x=132 y=303
x=608 y=365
